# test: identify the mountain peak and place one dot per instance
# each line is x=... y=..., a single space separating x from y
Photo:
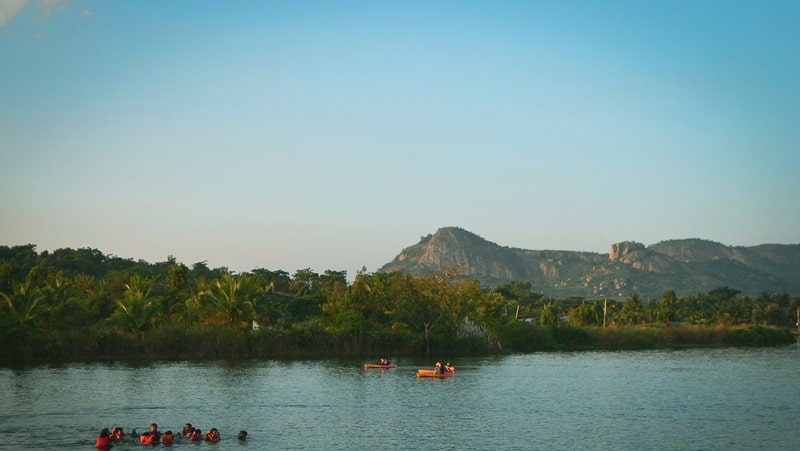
x=687 y=266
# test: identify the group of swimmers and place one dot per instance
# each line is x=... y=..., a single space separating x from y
x=154 y=437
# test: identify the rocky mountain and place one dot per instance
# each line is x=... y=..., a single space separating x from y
x=687 y=266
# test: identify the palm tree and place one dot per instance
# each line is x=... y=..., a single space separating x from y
x=632 y=311
x=60 y=300
x=138 y=308
x=234 y=297
x=24 y=303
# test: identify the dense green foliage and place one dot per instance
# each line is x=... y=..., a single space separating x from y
x=83 y=305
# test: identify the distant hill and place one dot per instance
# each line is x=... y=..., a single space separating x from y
x=687 y=266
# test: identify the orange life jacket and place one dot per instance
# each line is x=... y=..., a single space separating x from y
x=212 y=436
x=103 y=442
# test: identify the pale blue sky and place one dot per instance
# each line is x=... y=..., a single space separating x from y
x=331 y=135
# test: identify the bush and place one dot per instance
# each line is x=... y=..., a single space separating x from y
x=524 y=337
x=760 y=336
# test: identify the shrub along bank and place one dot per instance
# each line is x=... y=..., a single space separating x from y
x=203 y=342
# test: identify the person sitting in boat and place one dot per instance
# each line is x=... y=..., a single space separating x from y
x=385 y=361
x=437 y=369
x=212 y=435
x=104 y=439
x=448 y=368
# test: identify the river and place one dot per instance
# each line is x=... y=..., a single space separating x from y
x=701 y=399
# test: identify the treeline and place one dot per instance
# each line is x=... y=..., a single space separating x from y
x=79 y=304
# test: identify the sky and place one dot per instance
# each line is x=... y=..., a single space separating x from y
x=331 y=135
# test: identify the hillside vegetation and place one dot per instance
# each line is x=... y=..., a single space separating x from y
x=84 y=305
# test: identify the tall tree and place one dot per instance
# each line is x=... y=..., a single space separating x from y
x=137 y=308
x=632 y=311
x=586 y=314
x=665 y=310
x=24 y=304
x=436 y=311
x=234 y=298
x=176 y=288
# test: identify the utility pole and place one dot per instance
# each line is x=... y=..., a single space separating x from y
x=605 y=312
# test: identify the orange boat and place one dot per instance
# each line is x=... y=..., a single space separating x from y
x=422 y=372
x=368 y=366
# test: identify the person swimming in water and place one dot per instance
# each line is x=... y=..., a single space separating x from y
x=187 y=430
x=212 y=435
x=117 y=434
x=167 y=439
x=196 y=435
x=104 y=440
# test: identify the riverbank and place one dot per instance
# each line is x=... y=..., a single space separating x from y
x=214 y=343
x=634 y=338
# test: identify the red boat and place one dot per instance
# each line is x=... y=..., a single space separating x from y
x=422 y=372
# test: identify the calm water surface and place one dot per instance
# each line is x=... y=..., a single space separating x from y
x=714 y=399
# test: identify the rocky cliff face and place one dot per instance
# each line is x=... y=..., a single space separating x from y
x=686 y=266
x=626 y=250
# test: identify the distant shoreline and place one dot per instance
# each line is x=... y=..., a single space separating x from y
x=248 y=344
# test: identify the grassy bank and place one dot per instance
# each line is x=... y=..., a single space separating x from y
x=633 y=338
x=170 y=343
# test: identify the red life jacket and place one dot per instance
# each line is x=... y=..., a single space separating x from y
x=195 y=436
x=166 y=439
x=103 y=442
